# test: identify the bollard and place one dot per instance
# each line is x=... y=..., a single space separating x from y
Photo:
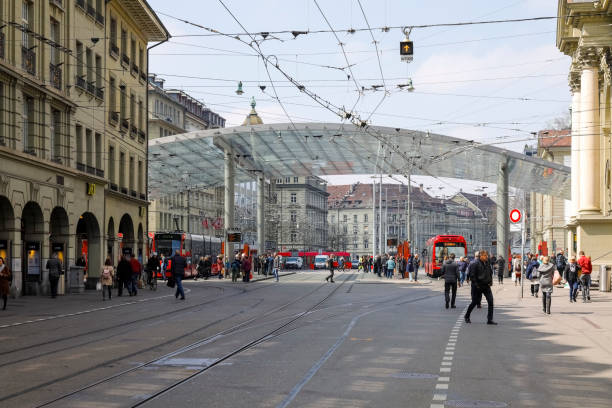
x=604 y=278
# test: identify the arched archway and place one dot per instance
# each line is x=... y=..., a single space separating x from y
x=89 y=246
x=32 y=237
x=110 y=240
x=7 y=230
x=59 y=234
x=126 y=229
x=140 y=242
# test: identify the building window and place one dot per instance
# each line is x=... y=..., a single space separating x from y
x=131 y=175
x=366 y=243
x=28 y=125
x=111 y=164
x=122 y=169
x=140 y=115
x=123 y=42
x=355 y=218
x=122 y=104
x=365 y=218
x=55 y=38
x=293 y=237
x=140 y=178
x=287 y=180
x=112 y=107
x=88 y=148
x=133 y=109
x=99 y=72
x=89 y=62
x=56 y=134
x=333 y=219
x=293 y=197
x=79 y=146
x=98 y=141
x=2 y=115
x=294 y=216
x=79 y=59
x=141 y=59
x=26 y=16
x=345 y=218
x=113 y=34
x=295 y=179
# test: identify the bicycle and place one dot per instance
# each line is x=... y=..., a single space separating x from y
x=152 y=280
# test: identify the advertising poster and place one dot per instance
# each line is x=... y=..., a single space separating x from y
x=33 y=254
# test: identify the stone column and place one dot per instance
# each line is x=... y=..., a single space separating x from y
x=502 y=209
x=589 y=140
x=261 y=236
x=575 y=152
x=228 y=213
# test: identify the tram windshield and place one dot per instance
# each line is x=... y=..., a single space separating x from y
x=447 y=248
x=167 y=244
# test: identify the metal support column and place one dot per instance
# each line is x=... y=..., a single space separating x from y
x=373 y=218
x=228 y=213
x=502 y=209
x=408 y=208
x=261 y=236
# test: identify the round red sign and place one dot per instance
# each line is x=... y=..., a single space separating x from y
x=515 y=215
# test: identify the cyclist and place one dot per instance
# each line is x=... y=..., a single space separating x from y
x=152 y=269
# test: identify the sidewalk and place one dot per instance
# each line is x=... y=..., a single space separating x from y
x=370 y=277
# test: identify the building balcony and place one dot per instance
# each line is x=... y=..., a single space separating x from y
x=91 y=10
x=124 y=190
x=125 y=60
x=125 y=125
x=81 y=4
x=100 y=93
x=113 y=117
x=100 y=173
x=113 y=50
x=100 y=18
x=142 y=196
x=58 y=3
x=91 y=88
x=80 y=166
x=134 y=70
x=90 y=169
x=2 y=36
x=80 y=83
x=55 y=76
x=114 y=187
x=28 y=60
x=143 y=76
x=142 y=136
x=133 y=193
x=133 y=131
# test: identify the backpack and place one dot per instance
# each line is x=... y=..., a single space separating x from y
x=106 y=273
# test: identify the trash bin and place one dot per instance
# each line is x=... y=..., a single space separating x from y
x=604 y=278
x=75 y=279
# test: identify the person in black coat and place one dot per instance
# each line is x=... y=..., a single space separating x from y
x=501 y=264
x=571 y=272
x=124 y=274
x=450 y=271
x=480 y=274
x=179 y=263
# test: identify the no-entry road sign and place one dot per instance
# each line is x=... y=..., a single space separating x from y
x=515 y=215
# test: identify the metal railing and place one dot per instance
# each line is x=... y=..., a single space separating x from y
x=91 y=10
x=58 y=3
x=80 y=83
x=114 y=187
x=99 y=173
x=125 y=124
x=143 y=76
x=99 y=93
x=134 y=69
x=91 y=88
x=28 y=60
x=113 y=49
x=55 y=75
x=100 y=18
x=113 y=117
x=80 y=166
x=133 y=131
x=125 y=59
x=81 y=4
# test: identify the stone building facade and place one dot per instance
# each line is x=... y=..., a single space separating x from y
x=583 y=33
x=73 y=150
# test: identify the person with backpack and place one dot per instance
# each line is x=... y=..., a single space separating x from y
x=533 y=275
x=571 y=274
x=481 y=284
x=235 y=268
x=54 y=265
x=106 y=278
x=450 y=271
x=561 y=261
x=5 y=282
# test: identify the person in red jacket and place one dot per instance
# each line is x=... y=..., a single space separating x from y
x=136 y=270
x=585 y=265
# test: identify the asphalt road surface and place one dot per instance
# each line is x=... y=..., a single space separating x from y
x=302 y=342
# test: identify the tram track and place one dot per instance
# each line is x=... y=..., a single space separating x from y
x=185 y=348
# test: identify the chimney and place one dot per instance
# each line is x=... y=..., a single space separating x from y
x=160 y=82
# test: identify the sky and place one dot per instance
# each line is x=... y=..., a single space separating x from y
x=493 y=83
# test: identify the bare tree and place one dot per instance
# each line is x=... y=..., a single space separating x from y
x=561 y=122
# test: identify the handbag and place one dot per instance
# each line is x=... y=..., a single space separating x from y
x=171 y=282
x=556 y=278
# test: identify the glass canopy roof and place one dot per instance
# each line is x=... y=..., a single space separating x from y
x=196 y=159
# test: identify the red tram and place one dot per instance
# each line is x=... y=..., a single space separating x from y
x=440 y=246
x=191 y=246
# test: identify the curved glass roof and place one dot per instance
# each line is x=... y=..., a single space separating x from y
x=196 y=159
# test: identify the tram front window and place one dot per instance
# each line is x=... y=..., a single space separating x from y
x=447 y=248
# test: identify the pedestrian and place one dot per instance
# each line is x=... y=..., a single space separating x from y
x=220 y=266
x=136 y=271
x=585 y=279
x=469 y=273
x=152 y=268
x=5 y=282
x=546 y=271
x=517 y=267
x=378 y=266
x=179 y=263
x=481 y=282
x=270 y=262
x=416 y=263
x=106 y=278
x=390 y=268
x=330 y=266
x=276 y=264
x=533 y=275
x=462 y=267
x=501 y=264
x=560 y=262
x=571 y=273
x=246 y=268
x=235 y=268
x=54 y=265
x=162 y=265
x=123 y=273
x=450 y=271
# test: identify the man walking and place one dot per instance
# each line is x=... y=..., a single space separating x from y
x=178 y=272
x=330 y=265
x=560 y=262
x=450 y=271
x=470 y=272
x=585 y=279
x=54 y=266
x=276 y=263
x=136 y=270
x=462 y=266
x=481 y=283
x=415 y=265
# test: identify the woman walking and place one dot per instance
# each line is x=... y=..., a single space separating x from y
x=390 y=268
x=106 y=278
x=5 y=282
x=571 y=273
x=546 y=271
x=517 y=267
